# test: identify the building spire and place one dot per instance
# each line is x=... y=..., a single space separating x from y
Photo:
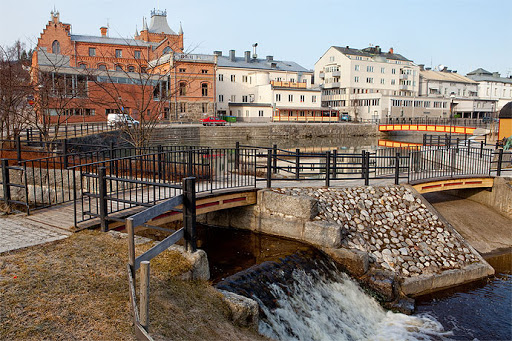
x=136 y=31
x=144 y=24
x=181 y=29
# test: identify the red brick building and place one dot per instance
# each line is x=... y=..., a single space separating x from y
x=81 y=78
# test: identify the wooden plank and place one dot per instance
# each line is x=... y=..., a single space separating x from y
x=159 y=248
x=146 y=215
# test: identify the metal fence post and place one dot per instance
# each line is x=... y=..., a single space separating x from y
x=500 y=161
x=189 y=213
x=65 y=152
x=5 y=181
x=327 y=168
x=397 y=168
x=334 y=166
x=237 y=155
x=269 y=168
x=297 y=164
x=190 y=162
x=18 y=149
x=363 y=159
x=274 y=156
x=160 y=150
x=102 y=187
x=481 y=148
x=367 y=174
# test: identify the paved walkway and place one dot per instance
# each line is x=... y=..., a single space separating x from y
x=18 y=232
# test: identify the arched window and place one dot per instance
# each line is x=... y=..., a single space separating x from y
x=204 y=89
x=119 y=67
x=183 y=89
x=131 y=68
x=82 y=66
x=56 y=47
x=166 y=50
x=102 y=67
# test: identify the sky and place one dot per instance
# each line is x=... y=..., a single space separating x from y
x=460 y=34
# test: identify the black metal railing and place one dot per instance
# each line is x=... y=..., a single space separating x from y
x=111 y=186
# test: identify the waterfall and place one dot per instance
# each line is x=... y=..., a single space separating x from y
x=306 y=297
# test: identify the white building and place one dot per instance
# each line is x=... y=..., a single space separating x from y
x=261 y=90
x=492 y=86
x=451 y=86
x=369 y=84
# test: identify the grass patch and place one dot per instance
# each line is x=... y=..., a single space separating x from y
x=77 y=289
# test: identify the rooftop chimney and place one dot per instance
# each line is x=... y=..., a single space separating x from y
x=270 y=58
x=444 y=69
x=391 y=50
x=232 y=55
x=103 y=31
x=422 y=67
x=247 y=55
x=377 y=49
x=217 y=53
x=254 y=54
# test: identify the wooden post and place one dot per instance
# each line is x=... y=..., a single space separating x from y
x=189 y=213
x=269 y=168
x=327 y=168
x=102 y=186
x=397 y=168
x=144 y=294
x=5 y=181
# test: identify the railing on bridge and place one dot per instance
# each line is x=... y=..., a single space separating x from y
x=142 y=177
x=460 y=122
x=111 y=186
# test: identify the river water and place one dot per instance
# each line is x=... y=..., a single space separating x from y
x=307 y=298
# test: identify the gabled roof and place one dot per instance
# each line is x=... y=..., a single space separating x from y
x=445 y=77
x=357 y=52
x=112 y=41
x=263 y=64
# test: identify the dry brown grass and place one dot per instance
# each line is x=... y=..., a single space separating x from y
x=76 y=289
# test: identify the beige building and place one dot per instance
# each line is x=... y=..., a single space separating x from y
x=367 y=84
x=258 y=90
x=492 y=86
x=460 y=91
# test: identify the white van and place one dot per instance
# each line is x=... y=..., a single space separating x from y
x=117 y=120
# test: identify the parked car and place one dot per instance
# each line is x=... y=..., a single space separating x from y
x=117 y=120
x=488 y=119
x=213 y=121
x=345 y=117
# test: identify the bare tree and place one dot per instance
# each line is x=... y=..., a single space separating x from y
x=15 y=90
x=142 y=89
x=60 y=92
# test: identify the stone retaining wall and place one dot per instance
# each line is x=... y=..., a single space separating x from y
x=202 y=135
x=389 y=229
x=499 y=198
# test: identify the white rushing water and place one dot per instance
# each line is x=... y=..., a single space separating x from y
x=316 y=308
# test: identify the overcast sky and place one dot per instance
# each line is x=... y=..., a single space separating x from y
x=461 y=34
